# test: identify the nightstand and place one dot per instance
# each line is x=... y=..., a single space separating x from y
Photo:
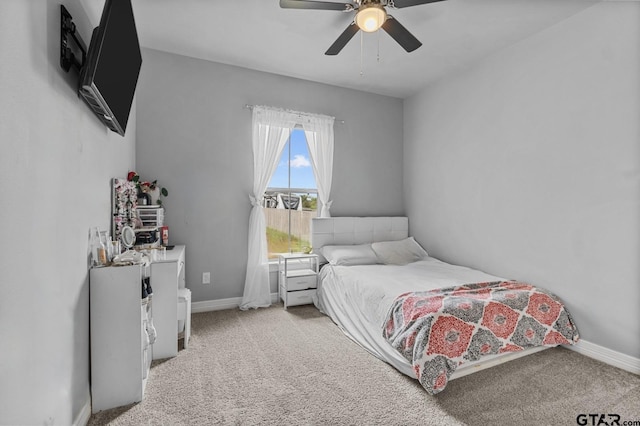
x=297 y=278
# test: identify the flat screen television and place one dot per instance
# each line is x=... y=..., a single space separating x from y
x=109 y=75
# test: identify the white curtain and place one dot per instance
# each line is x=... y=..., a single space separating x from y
x=270 y=133
x=318 y=130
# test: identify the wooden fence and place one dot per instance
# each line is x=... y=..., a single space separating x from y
x=300 y=221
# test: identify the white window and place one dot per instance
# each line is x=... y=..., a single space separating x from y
x=291 y=199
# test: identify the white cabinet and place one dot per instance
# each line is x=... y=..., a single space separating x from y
x=121 y=352
x=167 y=276
x=297 y=278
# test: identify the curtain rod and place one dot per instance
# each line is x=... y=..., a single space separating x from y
x=247 y=106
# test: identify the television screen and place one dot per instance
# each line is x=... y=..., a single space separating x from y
x=109 y=77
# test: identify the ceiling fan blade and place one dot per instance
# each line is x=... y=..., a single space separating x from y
x=310 y=4
x=400 y=34
x=342 y=41
x=398 y=4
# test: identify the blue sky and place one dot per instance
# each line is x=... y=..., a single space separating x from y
x=301 y=170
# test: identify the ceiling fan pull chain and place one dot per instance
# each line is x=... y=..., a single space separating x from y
x=361 y=52
x=378 y=58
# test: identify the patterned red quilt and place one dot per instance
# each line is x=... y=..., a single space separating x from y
x=441 y=329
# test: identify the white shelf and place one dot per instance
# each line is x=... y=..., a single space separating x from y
x=297 y=255
x=120 y=350
x=300 y=272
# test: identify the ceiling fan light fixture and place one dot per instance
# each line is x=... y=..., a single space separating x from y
x=370 y=18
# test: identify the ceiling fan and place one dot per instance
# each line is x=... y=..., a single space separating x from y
x=371 y=15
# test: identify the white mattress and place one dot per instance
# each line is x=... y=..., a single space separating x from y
x=357 y=298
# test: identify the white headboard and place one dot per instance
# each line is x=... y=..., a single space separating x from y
x=356 y=230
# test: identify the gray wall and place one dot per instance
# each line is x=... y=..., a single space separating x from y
x=527 y=166
x=194 y=136
x=55 y=169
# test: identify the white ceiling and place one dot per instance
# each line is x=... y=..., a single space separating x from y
x=258 y=34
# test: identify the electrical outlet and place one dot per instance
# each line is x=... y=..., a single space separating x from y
x=206 y=278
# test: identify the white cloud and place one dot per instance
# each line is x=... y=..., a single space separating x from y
x=300 y=161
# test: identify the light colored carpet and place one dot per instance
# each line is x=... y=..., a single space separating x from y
x=295 y=367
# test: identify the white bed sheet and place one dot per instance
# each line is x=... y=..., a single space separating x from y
x=358 y=298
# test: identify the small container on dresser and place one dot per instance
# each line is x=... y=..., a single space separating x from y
x=297 y=278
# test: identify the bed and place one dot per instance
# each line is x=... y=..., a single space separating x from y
x=385 y=300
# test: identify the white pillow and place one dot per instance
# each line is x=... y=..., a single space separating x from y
x=399 y=252
x=349 y=255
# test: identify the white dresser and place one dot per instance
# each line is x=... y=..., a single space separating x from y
x=167 y=276
x=120 y=348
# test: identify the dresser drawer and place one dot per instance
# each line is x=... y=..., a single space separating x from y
x=302 y=282
x=301 y=297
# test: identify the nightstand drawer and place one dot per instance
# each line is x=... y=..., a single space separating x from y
x=302 y=282
x=302 y=297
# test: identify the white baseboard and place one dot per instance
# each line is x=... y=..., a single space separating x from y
x=85 y=413
x=222 y=304
x=606 y=355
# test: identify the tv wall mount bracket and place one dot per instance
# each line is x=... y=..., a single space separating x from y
x=68 y=58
